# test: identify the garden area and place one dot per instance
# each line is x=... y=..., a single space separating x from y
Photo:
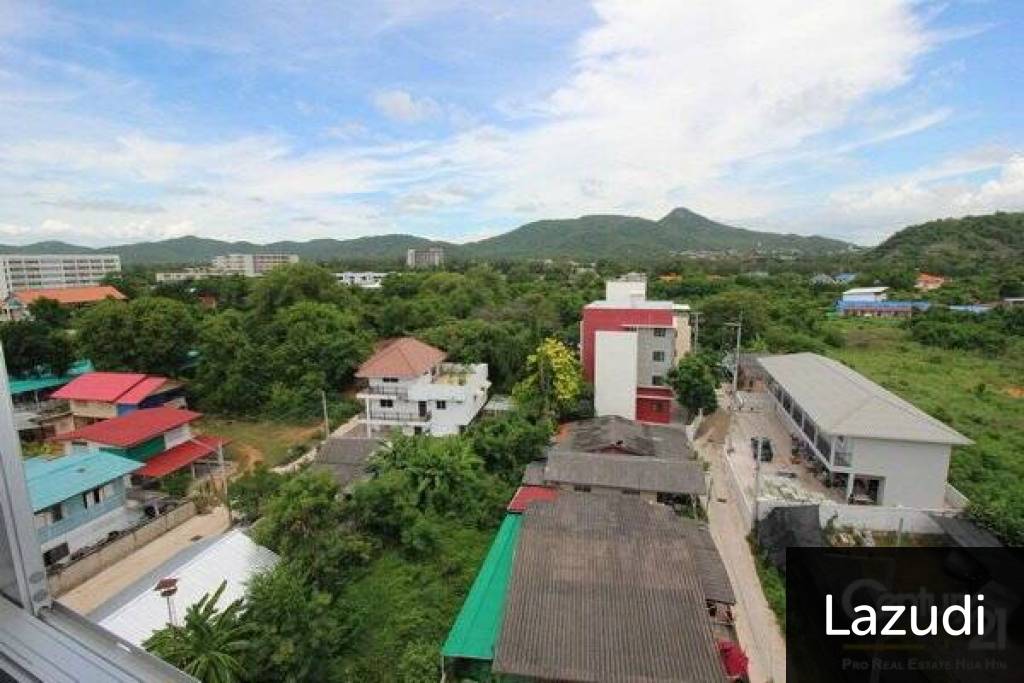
x=270 y=442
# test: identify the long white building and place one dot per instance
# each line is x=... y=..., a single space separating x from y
x=251 y=265
x=54 y=271
x=410 y=388
x=888 y=451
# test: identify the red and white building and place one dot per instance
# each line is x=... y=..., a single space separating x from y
x=627 y=345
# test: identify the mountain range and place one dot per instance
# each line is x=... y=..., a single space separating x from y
x=586 y=238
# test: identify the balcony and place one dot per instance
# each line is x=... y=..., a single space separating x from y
x=400 y=390
x=388 y=416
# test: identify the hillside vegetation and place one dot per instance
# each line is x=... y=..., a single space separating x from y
x=956 y=245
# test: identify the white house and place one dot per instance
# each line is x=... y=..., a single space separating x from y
x=364 y=279
x=410 y=388
x=887 y=451
x=866 y=294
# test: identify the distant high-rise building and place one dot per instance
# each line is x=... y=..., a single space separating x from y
x=431 y=257
x=251 y=265
x=19 y=272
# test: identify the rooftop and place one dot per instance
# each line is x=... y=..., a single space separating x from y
x=129 y=388
x=618 y=434
x=845 y=403
x=49 y=380
x=866 y=290
x=70 y=295
x=134 y=428
x=51 y=480
x=403 y=358
x=628 y=472
x=345 y=459
x=621 y=600
x=177 y=457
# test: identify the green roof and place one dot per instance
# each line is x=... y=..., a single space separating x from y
x=52 y=480
x=49 y=380
x=476 y=628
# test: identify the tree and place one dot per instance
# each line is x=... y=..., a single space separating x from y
x=441 y=471
x=305 y=508
x=32 y=347
x=234 y=373
x=50 y=313
x=506 y=444
x=693 y=381
x=289 y=284
x=210 y=644
x=151 y=334
x=553 y=384
x=251 y=492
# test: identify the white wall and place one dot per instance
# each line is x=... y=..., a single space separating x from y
x=615 y=368
x=915 y=472
x=625 y=291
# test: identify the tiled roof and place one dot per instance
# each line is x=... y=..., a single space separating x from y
x=620 y=600
x=630 y=436
x=134 y=428
x=51 y=480
x=70 y=295
x=186 y=453
x=99 y=386
x=402 y=357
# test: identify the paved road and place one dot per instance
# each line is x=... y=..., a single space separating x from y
x=758 y=631
x=115 y=578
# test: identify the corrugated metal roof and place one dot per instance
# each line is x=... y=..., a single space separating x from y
x=99 y=386
x=186 y=453
x=966 y=533
x=51 y=480
x=843 y=402
x=234 y=558
x=476 y=628
x=614 y=432
x=530 y=494
x=140 y=391
x=135 y=427
x=40 y=382
x=605 y=588
x=714 y=580
x=70 y=295
x=627 y=472
x=346 y=459
x=402 y=357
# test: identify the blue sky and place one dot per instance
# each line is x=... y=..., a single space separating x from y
x=256 y=120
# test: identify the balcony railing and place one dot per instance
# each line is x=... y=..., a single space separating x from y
x=384 y=390
x=398 y=415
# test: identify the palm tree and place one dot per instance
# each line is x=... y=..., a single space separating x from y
x=209 y=644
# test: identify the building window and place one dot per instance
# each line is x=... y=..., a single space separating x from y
x=660 y=331
x=94 y=497
x=658 y=356
x=389 y=380
x=581 y=489
x=55 y=554
x=658 y=381
x=441 y=405
x=387 y=403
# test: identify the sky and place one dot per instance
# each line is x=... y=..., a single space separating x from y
x=457 y=120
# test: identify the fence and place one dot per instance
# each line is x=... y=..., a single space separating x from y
x=871 y=517
x=80 y=571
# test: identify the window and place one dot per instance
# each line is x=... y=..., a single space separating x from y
x=441 y=405
x=658 y=381
x=581 y=489
x=658 y=356
x=387 y=403
x=660 y=331
x=55 y=554
x=389 y=380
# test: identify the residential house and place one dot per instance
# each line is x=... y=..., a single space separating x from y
x=37 y=416
x=161 y=438
x=15 y=305
x=927 y=282
x=627 y=346
x=102 y=395
x=364 y=279
x=19 y=272
x=630 y=580
x=866 y=294
x=874 y=302
x=410 y=388
x=881 y=449
x=78 y=500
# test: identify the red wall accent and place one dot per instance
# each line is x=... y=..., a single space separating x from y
x=653 y=410
x=614 y=319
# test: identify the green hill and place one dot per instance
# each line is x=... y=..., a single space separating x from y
x=950 y=245
x=611 y=236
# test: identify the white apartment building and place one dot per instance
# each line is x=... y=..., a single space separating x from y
x=54 y=271
x=431 y=257
x=251 y=265
x=410 y=388
x=364 y=279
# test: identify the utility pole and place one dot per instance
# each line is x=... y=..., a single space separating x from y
x=224 y=480
x=696 y=331
x=327 y=423
x=736 y=362
x=757 y=484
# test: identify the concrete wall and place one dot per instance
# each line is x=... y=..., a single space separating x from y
x=83 y=525
x=89 y=566
x=101 y=410
x=647 y=344
x=625 y=291
x=914 y=472
x=615 y=363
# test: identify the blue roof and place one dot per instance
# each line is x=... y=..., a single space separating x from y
x=882 y=305
x=52 y=480
x=49 y=380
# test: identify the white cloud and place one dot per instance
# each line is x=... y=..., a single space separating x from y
x=400 y=105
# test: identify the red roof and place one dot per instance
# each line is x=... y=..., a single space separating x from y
x=402 y=357
x=134 y=428
x=183 y=454
x=70 y=295
x=99 y=386
x=140 y=391
x=530 y=494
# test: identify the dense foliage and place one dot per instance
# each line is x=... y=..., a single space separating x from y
x=694 y=380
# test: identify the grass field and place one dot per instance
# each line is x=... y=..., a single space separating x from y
x=267 y=442
x=980 y=396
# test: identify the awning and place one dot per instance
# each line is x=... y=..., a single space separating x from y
x=181 y=455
